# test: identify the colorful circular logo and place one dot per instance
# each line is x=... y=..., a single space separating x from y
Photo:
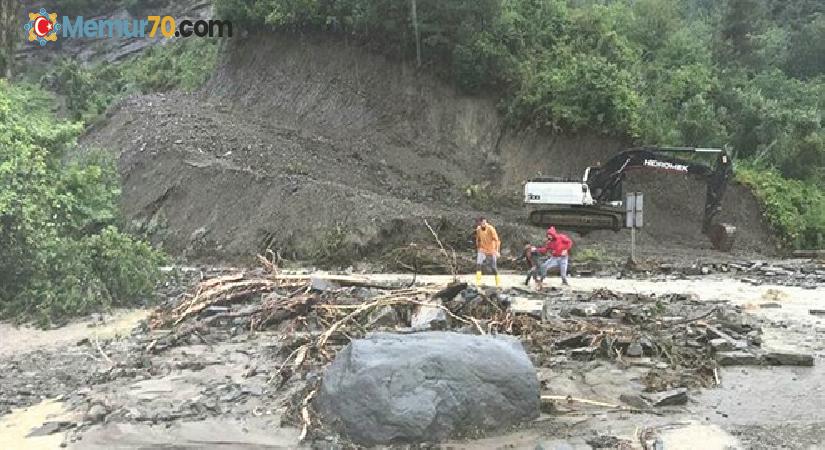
x=42 y=27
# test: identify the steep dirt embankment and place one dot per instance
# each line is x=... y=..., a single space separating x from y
x=313 y=144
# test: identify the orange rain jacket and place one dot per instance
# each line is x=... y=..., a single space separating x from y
x=487 y=240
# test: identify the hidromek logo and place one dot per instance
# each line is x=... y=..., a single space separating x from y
x=666 y=165
x=43 y=27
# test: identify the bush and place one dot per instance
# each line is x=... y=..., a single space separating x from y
x=570 y=92
x=87 y=92
x=60 y=252
x=185 y=64
x=794 y=208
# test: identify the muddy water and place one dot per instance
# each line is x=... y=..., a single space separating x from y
x=24 y=339
x=15 y=427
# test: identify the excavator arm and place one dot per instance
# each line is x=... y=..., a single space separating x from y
x=595 y=202
x=605 y=182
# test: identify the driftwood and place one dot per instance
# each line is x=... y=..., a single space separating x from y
x=307 y=420
x=450 y=261
x=584 y=401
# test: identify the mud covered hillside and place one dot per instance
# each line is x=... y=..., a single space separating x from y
x=312 y=145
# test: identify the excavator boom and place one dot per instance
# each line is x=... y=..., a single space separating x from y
x=598 y=204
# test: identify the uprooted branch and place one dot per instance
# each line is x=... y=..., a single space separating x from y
x=450 y=261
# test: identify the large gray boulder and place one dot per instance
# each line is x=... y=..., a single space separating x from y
x=427 y=387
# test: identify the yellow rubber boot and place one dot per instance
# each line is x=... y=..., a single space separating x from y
x=498 y=281
x=478 y=278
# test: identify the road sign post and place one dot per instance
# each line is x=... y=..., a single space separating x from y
x=634 y=218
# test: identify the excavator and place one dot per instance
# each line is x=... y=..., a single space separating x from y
x=595 y=202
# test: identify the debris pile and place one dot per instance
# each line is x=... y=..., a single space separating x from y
x=679 y=340
x=808 y=274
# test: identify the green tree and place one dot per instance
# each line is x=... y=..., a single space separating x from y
x=741 y=22
x=807 y=49
x=60 y=253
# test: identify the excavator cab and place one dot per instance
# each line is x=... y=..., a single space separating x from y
x=595 y=202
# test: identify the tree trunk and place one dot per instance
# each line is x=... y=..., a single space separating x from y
x=10 y=27
x=417 y=36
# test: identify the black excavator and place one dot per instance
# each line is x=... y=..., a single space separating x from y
x=595 y=202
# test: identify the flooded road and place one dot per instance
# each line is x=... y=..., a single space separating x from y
x=754 y=407
x=14 y=339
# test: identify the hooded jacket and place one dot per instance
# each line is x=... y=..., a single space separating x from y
x=556 y=243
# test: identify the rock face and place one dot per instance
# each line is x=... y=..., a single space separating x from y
x=426 y=387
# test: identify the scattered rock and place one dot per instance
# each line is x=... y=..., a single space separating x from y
x=604 y=441
x=770 y=306
x=584 y=311
x=383 y=317
x=635 y=401
x=584 y=353
x=429 y=317
x=96 y=413
x=555 y=444
x=426 y=387
x=788 y=359
x=450 y=291
x=720 y=344
x=634 y=350
x=736 y=358
x=323 y=285
x=51 y=428
x=521 y=305
x=672 y=397
x=572 y=340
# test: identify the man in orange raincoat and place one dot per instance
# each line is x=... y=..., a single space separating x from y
x=488 y=246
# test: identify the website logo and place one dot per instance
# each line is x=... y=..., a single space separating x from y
x=42 y=27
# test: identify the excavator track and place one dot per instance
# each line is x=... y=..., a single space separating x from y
x=585 y=218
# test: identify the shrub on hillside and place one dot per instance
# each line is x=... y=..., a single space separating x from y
x=88 y=91
x=794 y=208
x=60 y=252
x=186 y=64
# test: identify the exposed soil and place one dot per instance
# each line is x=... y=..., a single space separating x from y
x=317 y=148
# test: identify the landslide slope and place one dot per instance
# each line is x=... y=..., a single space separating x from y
x=312 y=145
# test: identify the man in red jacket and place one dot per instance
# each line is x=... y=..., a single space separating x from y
x=558 y=247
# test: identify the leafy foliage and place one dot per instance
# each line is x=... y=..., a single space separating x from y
x=60 y=253
x=185 y=64
x=794 y=208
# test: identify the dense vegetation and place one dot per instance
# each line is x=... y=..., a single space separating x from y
x=60 y=250
x=746 y=74
x=88 y=91
x=61 y=253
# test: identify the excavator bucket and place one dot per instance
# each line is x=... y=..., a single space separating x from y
x=722 y=236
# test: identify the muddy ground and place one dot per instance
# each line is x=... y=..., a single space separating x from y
x=219 y=388
x=323 y=150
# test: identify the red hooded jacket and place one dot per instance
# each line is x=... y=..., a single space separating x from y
x=556 y=243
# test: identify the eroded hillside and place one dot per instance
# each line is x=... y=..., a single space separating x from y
x=301 y=144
